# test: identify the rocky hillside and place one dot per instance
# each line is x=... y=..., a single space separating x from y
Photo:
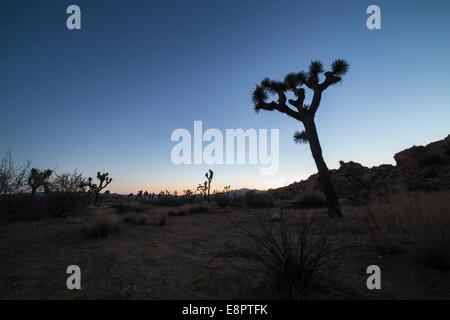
x=417 y=168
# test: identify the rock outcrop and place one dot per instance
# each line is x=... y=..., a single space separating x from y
x=418 y=168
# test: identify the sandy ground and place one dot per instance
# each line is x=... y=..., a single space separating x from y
x=175 y=261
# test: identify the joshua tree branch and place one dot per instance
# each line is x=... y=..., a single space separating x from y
x=300 y=93
x=330 y=79
x=283 y=108
x=315 y=101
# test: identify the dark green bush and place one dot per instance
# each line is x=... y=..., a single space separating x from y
x=22 y=207
x=310 y=199
x=222 y=201
x=198 y=209
x=66 y=204
x=169 y=202
x=258 y=200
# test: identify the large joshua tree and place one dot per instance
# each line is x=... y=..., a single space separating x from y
x=293 y=84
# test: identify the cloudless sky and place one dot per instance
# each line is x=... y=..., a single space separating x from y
x=107 y=97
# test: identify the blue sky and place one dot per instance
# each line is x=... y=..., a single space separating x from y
x=107 y=97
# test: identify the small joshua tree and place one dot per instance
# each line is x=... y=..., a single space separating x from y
x=37 y=179
x=293 y=83
x=203 y=188
x=104 y=181
x=209 y=176
x=188 y=194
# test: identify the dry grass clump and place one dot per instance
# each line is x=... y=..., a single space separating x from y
x=289 y=254
x=104 y=224
x=416 y=221
x=137 y=218
x=311 y=199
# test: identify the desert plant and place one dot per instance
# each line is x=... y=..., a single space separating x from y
x=19 y=207
x=38 y=179
x=289 y=253
x=222 y=200
x=209 y=176
x=104 y=225
x=68 y=182
x=104 y=180
x=66 y=204
x=177 y=213
x=137 y=218
x=162 y=221
x=188 y=194
x=310 y=199
x=418 y=222
x=13 y=179
x=198 y=209
x=258 y=200
x=203 y=189
x=293 y=83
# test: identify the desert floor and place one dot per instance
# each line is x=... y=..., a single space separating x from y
x=175 y=260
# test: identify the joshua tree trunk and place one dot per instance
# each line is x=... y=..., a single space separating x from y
x=293 y=83
x=326 y=183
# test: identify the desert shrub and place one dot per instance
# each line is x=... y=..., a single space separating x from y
x=13 y=178
x=69 y=182
x=22 y=208
x=237 y=201
x=66 y=204
x=258 y=200
x=289 y=254
x=137 y=218
x=177 y=213
x=222 y=200
x=133 y=207
x=104 y=225
x=162 y=221
x=198 y=209
x=418 y=222
x=171 y=213
x=169 y=201
x=310 y=199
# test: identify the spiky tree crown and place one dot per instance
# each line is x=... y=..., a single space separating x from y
x=293 y=82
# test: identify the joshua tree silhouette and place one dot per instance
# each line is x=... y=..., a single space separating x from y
x=38 y=179
x=93 y=187
x=209 y=177
x=293 y=82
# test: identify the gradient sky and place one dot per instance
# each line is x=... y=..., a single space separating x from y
x=108 y=97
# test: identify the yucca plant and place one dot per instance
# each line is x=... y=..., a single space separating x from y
x=104 y=180
x=293 y=83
